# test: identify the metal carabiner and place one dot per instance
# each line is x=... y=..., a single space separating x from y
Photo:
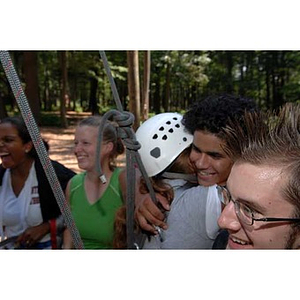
x=160 y=233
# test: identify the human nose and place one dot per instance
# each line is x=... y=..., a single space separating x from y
x=201 y=160
x=228 y=218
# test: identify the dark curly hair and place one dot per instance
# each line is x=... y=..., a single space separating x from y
x=213 y=113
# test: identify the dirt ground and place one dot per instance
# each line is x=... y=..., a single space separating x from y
x=61 y=143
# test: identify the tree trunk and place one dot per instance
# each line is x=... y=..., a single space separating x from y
x=31 y=83
x=229 y=67
x=156 y=101
x=3 y=112
x=166 y=100
x=64 y=82
x=134 y=86
x=93 y=107
x=145 y=102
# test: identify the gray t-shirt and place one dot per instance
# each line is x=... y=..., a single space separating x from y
x=192 y=220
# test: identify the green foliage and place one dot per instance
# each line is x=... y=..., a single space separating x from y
x=177 y=79
x=50 y=119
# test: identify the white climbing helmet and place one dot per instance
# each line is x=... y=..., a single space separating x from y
x=162 y=139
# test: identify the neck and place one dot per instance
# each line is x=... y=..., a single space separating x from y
x=19 y=175
x=93 y=176
x=23 y=169
x=94 y=187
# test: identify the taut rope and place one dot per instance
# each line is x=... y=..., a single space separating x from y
x=39 y=146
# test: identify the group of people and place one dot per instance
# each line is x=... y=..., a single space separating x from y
x=225 y=176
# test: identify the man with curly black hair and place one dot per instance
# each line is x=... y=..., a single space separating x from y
x=206 y=120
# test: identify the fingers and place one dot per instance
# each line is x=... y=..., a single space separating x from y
x=145 y=225
x=164 y=202
x=148 y=214
x=25 y=240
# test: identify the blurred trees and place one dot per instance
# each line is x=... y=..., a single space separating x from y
x=134 y=85
x=164 y=80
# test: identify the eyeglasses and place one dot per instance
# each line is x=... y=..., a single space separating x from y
x=245 y=213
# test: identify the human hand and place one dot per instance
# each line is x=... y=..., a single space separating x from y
x=33 y=234
x=148 y=214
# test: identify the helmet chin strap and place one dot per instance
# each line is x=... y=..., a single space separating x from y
x=187 y=177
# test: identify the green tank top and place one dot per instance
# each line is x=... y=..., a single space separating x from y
x=95 y=222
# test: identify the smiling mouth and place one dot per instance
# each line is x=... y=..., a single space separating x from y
x=202 y=173
x=80 y=156
x=4 y=154
x=238 y=241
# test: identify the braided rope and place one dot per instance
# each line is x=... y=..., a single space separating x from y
x=39 y=146
x=125 y=132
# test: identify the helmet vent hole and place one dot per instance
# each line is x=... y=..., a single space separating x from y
x=155 y=152
x=155 y=136
x=177 y=125
x=175 y=118
x=168 y=122
x=164 y=137
x=171 y=130
x=184 y=139
x=161 y=128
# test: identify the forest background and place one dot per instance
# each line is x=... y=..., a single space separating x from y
x=58 y=83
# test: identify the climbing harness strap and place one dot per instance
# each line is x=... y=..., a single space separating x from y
x=39 y=146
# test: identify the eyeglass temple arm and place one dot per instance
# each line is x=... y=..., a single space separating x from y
x=277 y=219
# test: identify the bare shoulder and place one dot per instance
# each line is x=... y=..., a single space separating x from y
x=67 y=191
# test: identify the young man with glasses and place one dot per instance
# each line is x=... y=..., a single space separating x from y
x=262 y=194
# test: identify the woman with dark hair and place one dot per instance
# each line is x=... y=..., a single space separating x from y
x=28 y=208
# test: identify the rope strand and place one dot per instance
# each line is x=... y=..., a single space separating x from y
x=125 y=132
x=39 y=145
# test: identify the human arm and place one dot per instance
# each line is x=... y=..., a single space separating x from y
x=33 y=234
x=147 y=213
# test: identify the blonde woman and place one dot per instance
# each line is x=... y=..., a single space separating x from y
x=94 y=203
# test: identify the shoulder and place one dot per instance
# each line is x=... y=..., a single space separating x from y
x=75 y=185
x=193 y=194
x=60 y=168
x=77 y=178
x=63 y=173
x=191 y=203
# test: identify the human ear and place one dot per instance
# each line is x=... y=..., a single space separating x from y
x=109 y=147
x=28 y=146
